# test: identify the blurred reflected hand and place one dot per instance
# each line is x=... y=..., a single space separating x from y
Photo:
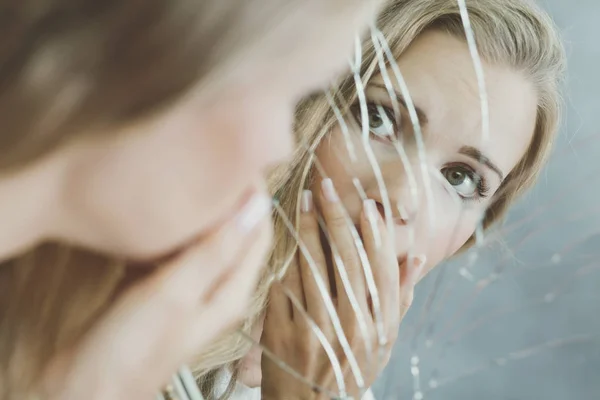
x=167 y=318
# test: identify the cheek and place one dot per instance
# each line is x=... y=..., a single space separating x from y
x=173 y=182
x=251 y=125
x=454 y=220
x=445 y=243
x=209 y=157
x=200 y=144
x=453 y=226
x=452 y=238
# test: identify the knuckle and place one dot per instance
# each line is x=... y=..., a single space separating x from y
x=329 y=334
x=352 y=332
x=311 y=343
x=407 y=300
x=307 y=223
x=392 y=336
x=311 y=253
x=336 y=220
x=350 y=258
x=386 y=279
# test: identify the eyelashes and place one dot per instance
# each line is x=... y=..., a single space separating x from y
x=385 y=127
x=383 y=124
x=468 y=184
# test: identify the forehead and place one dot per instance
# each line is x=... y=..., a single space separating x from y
x=314 y=41
x=439 y=73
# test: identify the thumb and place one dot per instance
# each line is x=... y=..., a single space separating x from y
x=407 y=287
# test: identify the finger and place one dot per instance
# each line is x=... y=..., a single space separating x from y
x=231 y=299
x=193 y=277
x=406 y=301
x=279 y=307
x=151 y=322
x=293 y=283
x=384 y=263
x=344 y=245
x=410 y=275
x=293 y=276
x=312 y=262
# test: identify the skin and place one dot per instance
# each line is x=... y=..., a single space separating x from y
x=183 y=184
x=438 y=71
x=158 y=184
x=285 y=324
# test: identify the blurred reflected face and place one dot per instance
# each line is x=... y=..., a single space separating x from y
x=464 y=172
x=174 y=178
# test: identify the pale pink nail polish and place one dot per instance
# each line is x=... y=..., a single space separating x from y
x=417 y=268
x=306 y=205
x=371 y=210
x=372 y=214
x=253 y=212
x=329 y=191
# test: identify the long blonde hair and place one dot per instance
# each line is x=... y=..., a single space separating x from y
x=515 y=33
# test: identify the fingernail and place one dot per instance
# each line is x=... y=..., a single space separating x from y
x=372 y=214
x=420 y=261
x=257 y=208
x=371 y=210
x=329 y=191
x=417 y=267
x=307 y=201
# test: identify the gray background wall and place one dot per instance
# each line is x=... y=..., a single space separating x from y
x=534 y=331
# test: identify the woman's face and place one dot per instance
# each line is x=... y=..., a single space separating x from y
x=439 y=73
x=143 y=193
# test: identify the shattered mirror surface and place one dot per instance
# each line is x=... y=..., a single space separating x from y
x=515 y=317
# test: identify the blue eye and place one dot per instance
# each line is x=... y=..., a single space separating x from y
x=465 y=181
x=380 y=124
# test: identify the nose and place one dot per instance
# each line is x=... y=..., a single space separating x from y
x=406 y=215
x=404 y=203
x=401 y=213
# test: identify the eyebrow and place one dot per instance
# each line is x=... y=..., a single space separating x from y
x=478 y=156
x=468 y=151
x=420 y=113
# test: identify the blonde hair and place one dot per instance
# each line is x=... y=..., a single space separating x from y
x=515 y=33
